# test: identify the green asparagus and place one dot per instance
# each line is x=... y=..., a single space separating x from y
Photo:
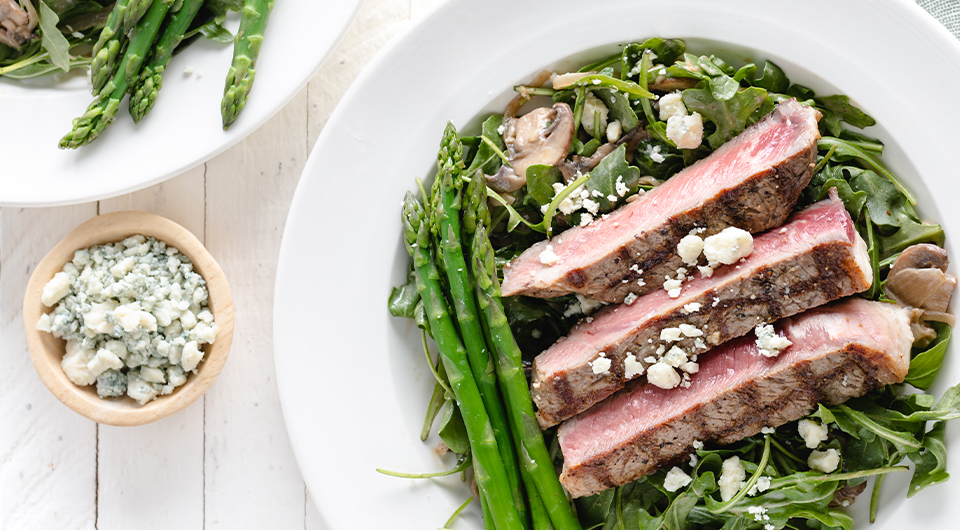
x=136 y=9
x=475 y=213
x=534 y=455
x=103 y=110
x=488 y=468
x=246 y=48
x=144 y=93
x=108 y=47
x=447 y=191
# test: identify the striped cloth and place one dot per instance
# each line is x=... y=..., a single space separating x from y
x=946 y=11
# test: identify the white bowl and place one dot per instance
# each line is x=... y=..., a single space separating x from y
x=895 y=61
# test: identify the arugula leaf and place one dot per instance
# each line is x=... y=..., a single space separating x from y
x=841 y=107
x=730 y=116
x=215 y=31
x=220 y=7
x=746 y=72
x=487 y=158
x=882 y=197
x=676 y=516
x=587 y=149
x=41 y=68
x=925 y=365
x=540 y=181
x=844 y=150
x=873 y=250
x=930 y=465
x=666 y=50
x=452 y=431
x=404 y=299
x=642 y=158
x=903 y=440
x=619 y=107
x=910 y=233
x=53 y=40
x=603 y=179
x=773 y=79
x=524 y=315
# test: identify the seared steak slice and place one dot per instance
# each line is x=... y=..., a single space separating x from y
x=818 y=256
x=751 y=182
x=839 y=351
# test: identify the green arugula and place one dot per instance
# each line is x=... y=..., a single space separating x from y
x=53 y=40
x=730 y=116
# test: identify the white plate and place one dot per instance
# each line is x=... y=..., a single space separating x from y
x=352 y=379
x=181 y=131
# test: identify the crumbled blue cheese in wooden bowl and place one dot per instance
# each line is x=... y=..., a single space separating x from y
x=134 y=315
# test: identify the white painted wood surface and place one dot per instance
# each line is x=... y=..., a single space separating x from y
x=224 y=462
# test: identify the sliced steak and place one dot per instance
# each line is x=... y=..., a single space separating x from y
x=839 y=351
x=751 y=182
x=815 y=258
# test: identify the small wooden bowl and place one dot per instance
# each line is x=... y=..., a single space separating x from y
x=47 y=351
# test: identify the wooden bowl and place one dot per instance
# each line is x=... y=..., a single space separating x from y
x=47 y=351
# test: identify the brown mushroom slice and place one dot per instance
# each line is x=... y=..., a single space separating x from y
x=918 y=279
x=16 y=23
x=542 y=136
x=669 y=84
x=921 y=256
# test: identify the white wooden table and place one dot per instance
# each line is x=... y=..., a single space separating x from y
x=225 y=461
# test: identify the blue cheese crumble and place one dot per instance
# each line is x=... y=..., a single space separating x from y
x=134 y=315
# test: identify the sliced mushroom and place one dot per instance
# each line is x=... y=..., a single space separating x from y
x=918 y=279
x=583 y=164
x=669 y=84
x=542 y=136
x=16 y=23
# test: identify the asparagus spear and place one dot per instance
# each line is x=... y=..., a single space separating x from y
x=144 y=93
x=107 y=49
x=246 y=47
x=475 y=213
x=534 y=455
x=101 y=112
x=136 y=9
x=488 y=468
x=447 y=191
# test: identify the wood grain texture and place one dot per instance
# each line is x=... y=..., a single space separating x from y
x=225 y=461
x=245 y=434
x=377 y=21
x=48 y=453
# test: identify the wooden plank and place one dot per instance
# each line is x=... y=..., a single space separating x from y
x=48 y=453
x=251 y=477
x=155 y=471
x=377 y=21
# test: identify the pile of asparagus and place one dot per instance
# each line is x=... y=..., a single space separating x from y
x=136 y=46
x=478 y=353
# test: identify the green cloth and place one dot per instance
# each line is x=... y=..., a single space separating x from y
x=946 y=11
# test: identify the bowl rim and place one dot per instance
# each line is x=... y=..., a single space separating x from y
x=123 y=411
